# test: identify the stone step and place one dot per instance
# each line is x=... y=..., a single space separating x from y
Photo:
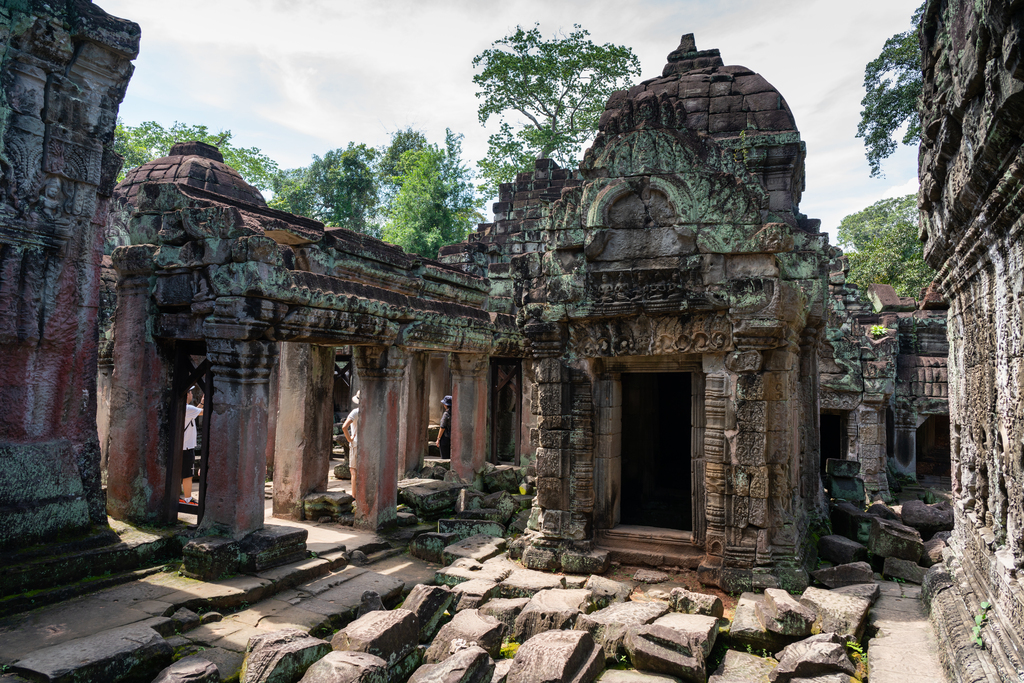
x=651 y=546
x=33 y=599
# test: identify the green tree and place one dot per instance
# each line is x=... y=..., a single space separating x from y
x=436 y=203
x=150 y=140
x=892 y=82
x=338 y=189
x=559 y=85
x=884 y=237
x=389 y=158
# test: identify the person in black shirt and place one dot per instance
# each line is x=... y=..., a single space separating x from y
x=444 y=436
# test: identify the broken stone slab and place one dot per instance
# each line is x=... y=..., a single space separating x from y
x=892 y=539
x=464 y=528
x=501 y=669
x=391 y=635
x=472 y=594
x=607 y=591
x=842 y=468
x=868 y=591
x=743 y=667
x=631 y=676
x=184 y=620
x=369 y=602
x=326 y=504
x=501 y=478
x=429 y=497
x=818 y=655
x=502 y=501
x=471 y=627
x=650 y=576
x=609 y=626
x=895 y=568
x=211 y=557
x=469 y=500
x=557 y=657
x=880 y=509
x=746 y=629
x=481 y=548
x=932 y=552
x=593 y=562
x=689 y=602
x=542 y=557
x=928 y=519
x=191 y=669
x=525 y=583
x=505 y=610
x=841 y=550
x=466 y=569
x=844 y=615
x=551 y=609
x=850 y=489
x=429 y=604
x=844 y=574
x=468 y=665
x=134 y=651
x=342 y=666
x=430 y=546
x=781 y=613
x=483 y=514
x=342 y=470
x=281 y=656
x=675 y=644
x=852 y=522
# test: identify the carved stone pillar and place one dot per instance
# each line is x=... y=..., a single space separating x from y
x=376 y=461
x=469 y=414
x=237 y=469
x=305 y=419
x=412 y=437
x=905 y=446
x=436 y=376
x=608 y=450
x=141 y=400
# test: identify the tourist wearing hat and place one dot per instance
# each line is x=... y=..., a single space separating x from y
x=444 y=439
x=348 y=428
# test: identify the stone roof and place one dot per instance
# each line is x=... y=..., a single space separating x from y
x=704 y=96
x=195 y=164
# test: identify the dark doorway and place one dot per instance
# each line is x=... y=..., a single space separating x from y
x=831 y=439
x=656 y=450
x=933 y=447
x=505 y=410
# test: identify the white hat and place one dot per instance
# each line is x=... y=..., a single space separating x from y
x=355 y=399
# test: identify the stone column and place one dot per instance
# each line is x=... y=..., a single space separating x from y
x=438 y=387
x=272 y=416
x=105 y=366
x=141 y=401
x=376 y=463
x=305 y=385
x=237 y=469
x=608 y=450
x=528 y=422
x=469 y=414
x=871 y=449
x=412 y=437
x=905 y=455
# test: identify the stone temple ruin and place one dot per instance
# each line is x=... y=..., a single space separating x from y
x=656 y=360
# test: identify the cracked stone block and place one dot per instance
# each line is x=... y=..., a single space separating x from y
x=429 y=498
x=468 y=665
x=844 y=575
x=475 y=593
x=745 y=667
x=471 y=627
x=525 y=583
x=191 y=669
x=342 y=666
x=895 y=568
x=607 y=591
x=430 y=546
x=464 y=528
x=841 y=550
x=505 y=610
x=746 y=629
x=429 y=604
x=844 y=615
x=892 y=539
x=391 y=635
x=781 y=613
x=557 y=657
x=466 y=570
x=281 y=655
x=689 y=602
x=131 y=651
x=551 y=609
x=610 y=625
x=928 y=519
x=868 y=591
x=819 y=655
x=501 y=478
x=481 y=548
x=675 y=644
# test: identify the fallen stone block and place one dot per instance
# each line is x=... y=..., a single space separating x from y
x=464 y=528
x=675 y=644
x=632 y=676
x=503 y=502
x=466 y=570
x=650 y=576
x=928 y=519
x=746 y=629
x=472 y=594
x=429 y=604
x=844 y=574
x=369 y=602
x=501 y=669
x=844 y=615
x=281 y=656
x=481 y=548
x=525 y=583
x=469 y=626
x=745 y=667
x=551 y=609
x=128 y=652
x=430 y=546
x=688 y=602
x=326 y=504
x=557 y=657
x=841 y=550
x=868 y=591
x=842 y=468
x=609 y=626
x=469 y=500
x=892 y=539
x=391 y=635
x=593 y=562
x=191 y=669
x=818 y=655
x=852 y=522
x=895 y=568
x=542 y=558
x=781 y=613
x=347 y=667
x=501 y=478
x=429 y=498
x=342 y=470
x=184 y=620
x=505 y=610
x=468 y=665
x=932 y=552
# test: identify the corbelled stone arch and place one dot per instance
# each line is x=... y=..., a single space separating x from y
x=663 y=202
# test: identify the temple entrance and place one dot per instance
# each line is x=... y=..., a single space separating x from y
x=505 y=410
x=933 y=447
x=832 y=430
x=657 y=450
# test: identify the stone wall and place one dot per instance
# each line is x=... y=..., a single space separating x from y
x=64 y=68
x=971 y=199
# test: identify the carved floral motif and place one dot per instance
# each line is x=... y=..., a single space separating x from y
x=644 y=335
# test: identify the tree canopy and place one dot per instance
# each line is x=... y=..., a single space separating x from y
x=150 y=140
x=559 y=86
x=884 y=236
x=892 y=82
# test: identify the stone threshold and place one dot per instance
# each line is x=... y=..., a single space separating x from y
x=652 y=546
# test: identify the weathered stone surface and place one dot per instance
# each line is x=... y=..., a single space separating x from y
x=428 y=603
x=468 y=665
x=630 y=676
x=844 y=615
x=466 y=570
x=184 y=620
x=525 y=583
x=746 y=629
x=594 y=562
x=390 y=635
x=505 y=610
x=557 y=657
x=327 y=504
x=781 y=613
x=464 y=528
x=932 y=552
x=884 y=511
x=818 y=655
x=481 y=547
x=126 y=652
x=551 y=609
x=689 y=602
x=610 y=625
x=895 y=568
x=469 y=499
x=470 y=626
x=675 y=644
x=501 y=478
x=928 y=519
x=844 y=574
x=281 y=656
x=474 y=593
x=192 y=669
x=606 y=591
x=429 y=498
x=868 y=591
x=502 y=501
x=501 y=669
x=369 y=602
x=745 y=667
x=841 y=550
x=852 y=522
x=891 y=539
x=650 y=576
x=430 y=546
x=343 y=666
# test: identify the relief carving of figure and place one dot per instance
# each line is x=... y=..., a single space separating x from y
x=51 y=198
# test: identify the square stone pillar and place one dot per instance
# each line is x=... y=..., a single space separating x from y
x=437 y=386
x=412 y=437
x=608 y=450
x=237 y=469
x=305 y=418
x=469 y=414
x=141 y=419
x=377 y=453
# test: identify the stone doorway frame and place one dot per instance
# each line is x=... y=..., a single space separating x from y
x=498 y=380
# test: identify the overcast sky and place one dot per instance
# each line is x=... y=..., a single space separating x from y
x=300 y=77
